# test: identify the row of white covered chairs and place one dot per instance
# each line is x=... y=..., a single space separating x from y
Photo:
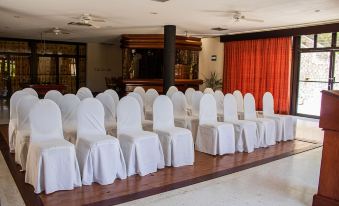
x=143 y=151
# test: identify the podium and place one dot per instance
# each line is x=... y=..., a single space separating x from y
x=328 y=189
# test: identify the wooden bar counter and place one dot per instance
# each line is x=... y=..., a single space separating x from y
x=157 y=84
x=328 y=190
x=42 y=89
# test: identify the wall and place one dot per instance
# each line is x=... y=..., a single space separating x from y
x=103 y=60
x=211 y=46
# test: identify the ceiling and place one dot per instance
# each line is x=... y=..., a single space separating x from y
x=27 y=18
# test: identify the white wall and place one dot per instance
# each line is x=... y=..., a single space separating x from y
x=103 y=60
x=211 y=46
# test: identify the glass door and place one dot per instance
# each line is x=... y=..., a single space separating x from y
x=4 y=76
x=336 y=72
x=313 y=78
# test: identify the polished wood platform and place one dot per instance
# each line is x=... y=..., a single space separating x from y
x=206 y=167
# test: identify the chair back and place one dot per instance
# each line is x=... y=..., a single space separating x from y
x=208 y=110
x=240 y=101
x=115 y=96
x=30 y=91
x=141 y=92
x=109 y=107
x=23 y=109
x=69 y=107
x=230 y=108
x=268 y=104
x=128 y=115
x=84 y=93
x=249 y=107
x=45 y=121
x=196 y=97
x=188 y=93
x=171 y=91
x=90 y=118
x=208 y=91
x=163 y=113
x=151 y=95
x=219 y=99
x=13 y=102
x=141 y=104
x=54 y=95
x=179 y=104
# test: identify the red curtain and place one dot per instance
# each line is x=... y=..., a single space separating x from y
x=258 y=66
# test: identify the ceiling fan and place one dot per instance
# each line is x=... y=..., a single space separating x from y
x=57 y=31
x=237 y=16
x=86 y=20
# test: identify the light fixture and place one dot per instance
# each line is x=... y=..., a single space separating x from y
x=153 y=13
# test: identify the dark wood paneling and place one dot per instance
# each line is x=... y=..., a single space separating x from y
x=319 y=200
x=282 y=32
x=156 y=41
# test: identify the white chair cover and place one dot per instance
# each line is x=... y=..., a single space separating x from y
x=245 y=131
x=219 y=99
x=284 y=123
x=171 y=91
x=142 y=149
x=189 y=93
x=23 y=133
x=69 y=106
x=146 y=124
x=115 y=96
x=266 y=127
x=30 y=91
x=100 y=157
x=84 y=93
x=109 y=106
x=196 y=97
x=151 y=95
x=213 y=137
x=54 y=95
x=13 y=115
x=208 y=91
x=141 y=92
x=240 y=100
x=52 y=160
x=181 y=118
x=177 y=143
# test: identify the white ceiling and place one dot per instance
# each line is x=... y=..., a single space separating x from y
x=28 y=18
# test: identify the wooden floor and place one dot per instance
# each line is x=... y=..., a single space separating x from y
x=205 y=167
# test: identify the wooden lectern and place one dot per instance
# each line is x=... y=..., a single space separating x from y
x=328 y=190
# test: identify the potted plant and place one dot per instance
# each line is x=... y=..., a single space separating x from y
x=213 y=81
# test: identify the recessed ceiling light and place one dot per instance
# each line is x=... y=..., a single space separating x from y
x=219 y=29
x=154 y=13
x=17 y=16
x=162 y=1
x=317 y=10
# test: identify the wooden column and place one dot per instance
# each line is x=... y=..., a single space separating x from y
x=328 y=190
x=169 y=56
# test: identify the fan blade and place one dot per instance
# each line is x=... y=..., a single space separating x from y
x=253 y=20
x=98 y=20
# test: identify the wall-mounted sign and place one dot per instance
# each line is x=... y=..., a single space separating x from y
x=214 y=58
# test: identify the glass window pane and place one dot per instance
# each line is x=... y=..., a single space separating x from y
x=314 y=66
x=47 y=70
x=337 y=39
x=324 y=40
x=336 y=69
x=309 y=97
x=307 y=41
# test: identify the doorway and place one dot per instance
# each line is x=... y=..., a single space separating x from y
x=318 y=70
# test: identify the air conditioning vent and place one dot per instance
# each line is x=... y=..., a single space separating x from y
x=219 y=29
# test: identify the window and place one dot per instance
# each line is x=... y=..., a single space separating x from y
x=307 y=41
x=324 y=40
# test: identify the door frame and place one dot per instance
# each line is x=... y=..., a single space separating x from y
x=297 y=50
